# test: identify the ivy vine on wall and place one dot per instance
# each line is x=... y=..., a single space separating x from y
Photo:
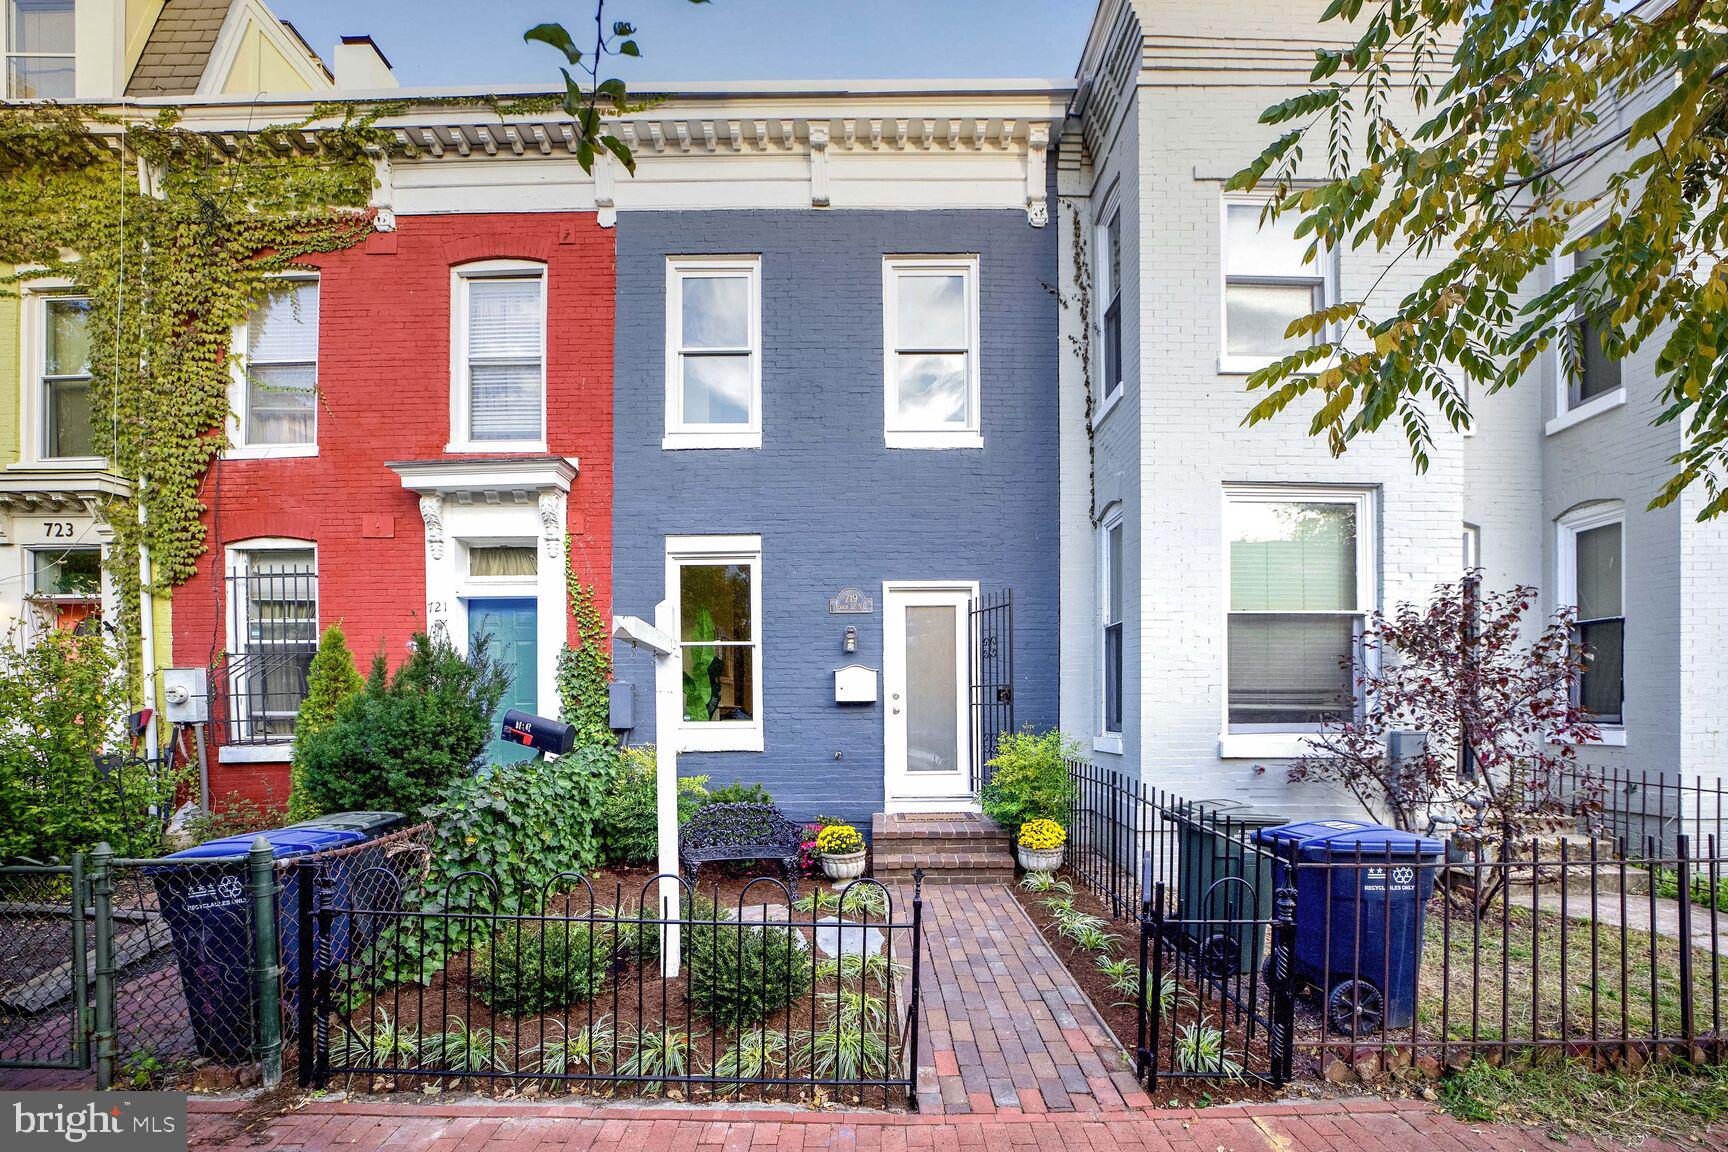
x=172 y=234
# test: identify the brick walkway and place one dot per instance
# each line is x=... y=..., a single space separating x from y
x=1006 y=1029
x=1332 y=1126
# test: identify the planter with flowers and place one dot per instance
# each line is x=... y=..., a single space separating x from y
x=842 y=850
x=1041 y=843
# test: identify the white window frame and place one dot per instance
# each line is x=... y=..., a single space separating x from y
x=9 y=55
x=1292 y=741
x=1470 y=546
x=1567 y=529
x=33 y=399
x=1106 y=739
x=1104 y=290
x=239 y=394
x=1325 y=275
x=1565 y=415
x=237 y=561
x=86 y=541
x=680 y=434
x=461 y=277
x=719 y=735
x=896 y=434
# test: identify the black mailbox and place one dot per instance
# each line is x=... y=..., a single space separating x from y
x=550 y=737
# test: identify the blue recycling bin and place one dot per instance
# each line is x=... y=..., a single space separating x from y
x=363 y=880
x=206 y=909
x=1360 y=913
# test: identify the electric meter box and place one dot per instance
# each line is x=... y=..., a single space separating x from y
x=185 y=696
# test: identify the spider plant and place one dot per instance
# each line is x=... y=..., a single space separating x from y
x=1093 y=938
x=1060 y=905
x=861 y=899
x=656 y=1053
x=845 y=1049
x=852 y=968
x=852 y=1004
x=1200 y=1048
x=384 y=1044
x=818 y=900
x=754 y=1054
x=1078 y=926
x=1046 y=882
x=462 y=1049
x=585 y=1048
x=1123 y=974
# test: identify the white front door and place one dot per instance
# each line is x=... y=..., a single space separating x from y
x=926 y=657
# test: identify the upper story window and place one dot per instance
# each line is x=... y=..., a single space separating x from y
x=39 y=49
x=715 y=581
x=1587 y=379
x=714 y=352
x=499 y=355
x=1111 y=616
x=65 y=379
x=278 y=405
x=1267 y=285
x=1109 y=283
x=930 y=322
x=1301 y=576
x=1592 y=557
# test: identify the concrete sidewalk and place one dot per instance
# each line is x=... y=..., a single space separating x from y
x=1330 y=1126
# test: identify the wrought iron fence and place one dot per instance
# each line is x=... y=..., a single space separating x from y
x=769 y=999
x=1636 y=807
x=992 y=679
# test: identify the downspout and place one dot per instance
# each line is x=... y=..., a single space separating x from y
x=147 y=632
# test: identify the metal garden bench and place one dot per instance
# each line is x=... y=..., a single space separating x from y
x=737 y=832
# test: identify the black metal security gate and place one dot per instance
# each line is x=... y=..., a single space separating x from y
x=991 y=678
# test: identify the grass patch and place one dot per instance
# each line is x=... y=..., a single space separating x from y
x=1672 y=1101
x=1528 y=958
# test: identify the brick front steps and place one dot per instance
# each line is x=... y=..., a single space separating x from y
x=951 y=848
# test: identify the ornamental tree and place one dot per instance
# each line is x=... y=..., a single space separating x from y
x=1511 y=102
x=1497 y=709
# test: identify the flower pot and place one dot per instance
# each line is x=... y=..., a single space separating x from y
x=1036 y=860
x=847 y=867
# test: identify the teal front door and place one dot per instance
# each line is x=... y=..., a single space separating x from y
x=511 y=624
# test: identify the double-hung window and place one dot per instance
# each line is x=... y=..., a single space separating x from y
x=1267 y=285
x=1591 y=579
x=715 y=582
x=1587 y=380
x=930 y=322
x=272 y=636
x=500 y=357
x=1109 y=278
x=713 y=352
x=1301 y=575
x=39 y=50
x=278 y=406
x=1110 y=623
x=66 y=584
x=65 y=380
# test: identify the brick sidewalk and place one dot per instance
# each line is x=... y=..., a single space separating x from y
x=1331 y=1126
x=1005 y=1026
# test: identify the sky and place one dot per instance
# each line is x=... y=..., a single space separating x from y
x=434 y=43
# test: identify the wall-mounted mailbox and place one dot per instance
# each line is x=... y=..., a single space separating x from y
x=855 y=684
x=621 y=704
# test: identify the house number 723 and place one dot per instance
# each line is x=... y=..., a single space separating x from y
x=58 y=530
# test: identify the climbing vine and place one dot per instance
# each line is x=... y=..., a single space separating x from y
x=1082 y=343
x=585 y=668
x=172 y=235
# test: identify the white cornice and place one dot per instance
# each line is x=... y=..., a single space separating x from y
x=488 y=479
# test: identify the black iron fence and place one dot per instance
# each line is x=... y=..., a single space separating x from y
x=681 y=992
x=1264 y=964
x=991 y=680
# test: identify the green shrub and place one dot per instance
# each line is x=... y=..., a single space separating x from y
x=62 y=699
x=1029 y=779
x=526 y=968
x=331 y=679
x=234 y=816
x=400 y=742
x=738 y=794
x=629 y=828
x=738 y=976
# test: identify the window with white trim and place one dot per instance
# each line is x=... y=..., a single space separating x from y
x=277 y=405
x=1590 y=373
x=1591 y=582
x=64 y=392
x=715 y=584
x=272 y=637
x=1109 y=292
x=1267 y=284
x=1111 y=619
x=1300 y=579
x=66 y=587
x=40 y=38
x=713 y=352
x=500 y=357
x=1472 y=547
x=930 y=326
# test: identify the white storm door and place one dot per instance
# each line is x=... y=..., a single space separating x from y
x=925 y=660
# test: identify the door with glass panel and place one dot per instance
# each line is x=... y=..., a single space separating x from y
x=926 y=658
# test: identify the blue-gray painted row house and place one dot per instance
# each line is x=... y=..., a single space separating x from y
x=881 y=390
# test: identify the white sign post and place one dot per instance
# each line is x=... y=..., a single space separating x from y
x=656 y=638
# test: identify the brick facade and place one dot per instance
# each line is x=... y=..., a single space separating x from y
x=384 y=395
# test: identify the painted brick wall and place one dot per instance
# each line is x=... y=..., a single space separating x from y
x=834 y=507
x=384 y=380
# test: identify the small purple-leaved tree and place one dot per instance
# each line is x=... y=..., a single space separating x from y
x=1496 y=705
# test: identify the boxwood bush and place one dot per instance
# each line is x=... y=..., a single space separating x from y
x=526 y=968
x=741 y=974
